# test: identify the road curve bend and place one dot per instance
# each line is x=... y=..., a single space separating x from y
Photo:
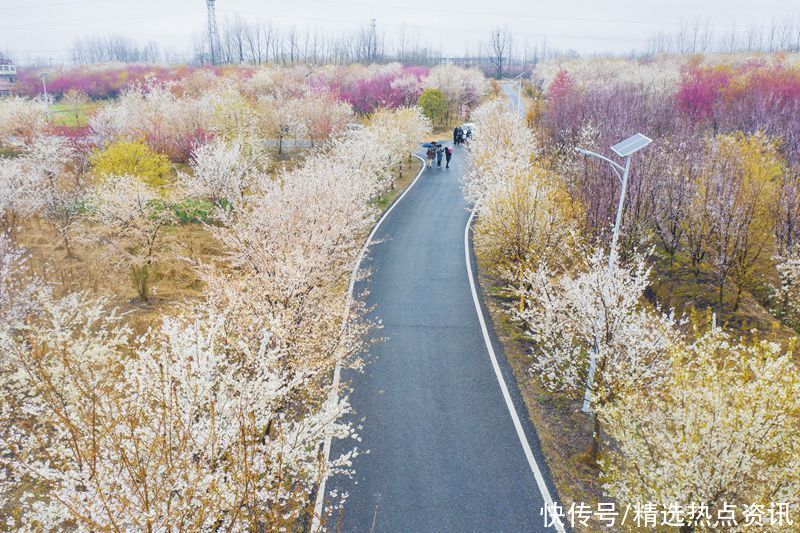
x=447 y=451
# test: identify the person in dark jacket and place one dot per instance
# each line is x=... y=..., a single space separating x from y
x=448 y=153
x=455 y=135
x=439 y=154
x=429 y=157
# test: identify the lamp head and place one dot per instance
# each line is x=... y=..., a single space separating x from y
x=631 y=145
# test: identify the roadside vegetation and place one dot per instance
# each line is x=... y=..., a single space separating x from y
x=696 y=394
x=173 y=292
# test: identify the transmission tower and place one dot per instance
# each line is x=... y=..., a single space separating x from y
x=213 y=35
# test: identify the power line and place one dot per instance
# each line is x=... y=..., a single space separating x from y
x=513 y=16
x=54 y=4
x=101 y=19
x=459 y=30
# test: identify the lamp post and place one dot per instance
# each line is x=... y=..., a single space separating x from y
x=624 y=149
x=311 y=68
x=43 y=76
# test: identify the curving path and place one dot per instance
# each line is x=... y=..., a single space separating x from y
x=512 y=91
x=445 y=453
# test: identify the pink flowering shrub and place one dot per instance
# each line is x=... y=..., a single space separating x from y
x=701 y=89
x=108 y=81
x=389 y=87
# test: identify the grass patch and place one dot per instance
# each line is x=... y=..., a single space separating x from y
x=9 y=151
x=192 y=211
x=65 y=115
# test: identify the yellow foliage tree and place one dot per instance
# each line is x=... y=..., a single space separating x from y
x=132 y=158
x=525 y=216
x=739 y=186
x=525 y=220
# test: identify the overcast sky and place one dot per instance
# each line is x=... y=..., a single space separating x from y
x=48 y=28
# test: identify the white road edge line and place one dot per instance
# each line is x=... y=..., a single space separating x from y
x=537 y=473
x=326 y=447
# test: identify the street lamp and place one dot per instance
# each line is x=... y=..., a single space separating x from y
x=311 y=68
x=624 y=149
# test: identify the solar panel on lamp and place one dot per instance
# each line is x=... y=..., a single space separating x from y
x=631 y=144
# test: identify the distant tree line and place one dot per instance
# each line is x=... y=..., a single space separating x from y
x=700 y=35
x=114 y=48
x=257 y=43
x=241 y=41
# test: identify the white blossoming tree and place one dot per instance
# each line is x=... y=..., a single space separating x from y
x=222 y=172
x=788 y=292
x=323 y=115
x=130 y=222
x=293 y=248
x=21 y=119
x=505 y=147
x=460 y=86
x=45 y=160
x=16 y=288
x=20 y=193
x=169 y=124
x=524 y=214
x=189 y=427
x=722 y=427
x=281 y=118
x=597 y=307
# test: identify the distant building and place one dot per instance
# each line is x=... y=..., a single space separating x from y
x=478 y=62
x=8 y=70
x=8 y=75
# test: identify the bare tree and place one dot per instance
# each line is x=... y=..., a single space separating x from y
x=113 y=48
x=498 y=49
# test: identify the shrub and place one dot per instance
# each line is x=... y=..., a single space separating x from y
x=433 y=104
x=193 y=211
x=132 y=158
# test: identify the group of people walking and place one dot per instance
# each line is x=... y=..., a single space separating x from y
x=460 y=136
x=438 y=151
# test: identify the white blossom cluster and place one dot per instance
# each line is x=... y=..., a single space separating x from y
x=212 y=419
x=504 y=147
x=788 y=293
x=524 y=213
x=21 y=119
x=460 y=86
x=153 y=112
x=721 y=427
x=222 y=171
x=597 y=307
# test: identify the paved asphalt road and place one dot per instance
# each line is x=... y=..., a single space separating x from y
x=443 y=451
x=512 y=91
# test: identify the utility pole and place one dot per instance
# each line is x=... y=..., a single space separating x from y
x=43 y=76
x=213 y=35
x=374 y=36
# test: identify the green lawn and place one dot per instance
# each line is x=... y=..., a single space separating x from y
x=65 y=115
